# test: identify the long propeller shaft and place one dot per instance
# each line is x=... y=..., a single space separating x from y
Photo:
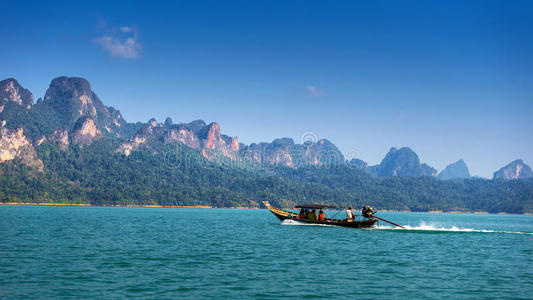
x=388 y=221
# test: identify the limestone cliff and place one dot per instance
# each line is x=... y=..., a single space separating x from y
x=515 y=170
x=213 y=142
x=276 y=153
x=85 y=132
x=140 y=139
x=196 y=135
x=181 y=134
x=402 y=162
x=59 y=136
x=72 y=98
x=15 y=146
x=11 y=91
x=285 y=152
x=457 y=170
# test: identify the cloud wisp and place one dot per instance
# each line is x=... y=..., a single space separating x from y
x=122 y=43
x=314 y=91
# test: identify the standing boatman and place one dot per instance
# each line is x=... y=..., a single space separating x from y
x=349 y=214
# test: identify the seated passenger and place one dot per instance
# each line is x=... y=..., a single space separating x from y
x=301 y=215
x=313 y=216
x=321 y=215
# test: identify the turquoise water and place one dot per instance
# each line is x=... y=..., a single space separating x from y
x=86 y=252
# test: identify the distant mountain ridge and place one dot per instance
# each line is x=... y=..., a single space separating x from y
x=457 y=170
x=72 y=113
x=515 y=170
x=12 y=92
x=402 y=162
x=71 y=148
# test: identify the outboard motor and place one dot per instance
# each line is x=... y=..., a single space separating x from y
x=367 y=211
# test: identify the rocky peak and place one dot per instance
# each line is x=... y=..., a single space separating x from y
x=85 y=131
x=75 y=92
x=12 y=91
x=457 y=170
x=15 y=146
x=515 y=170
x=167 y=133
x=285 y=152
x=211 y=135
x=235 y=144
x=358 y=163
x=402 y=162
x=283 y=142
x=72 y=98
x=322 y=153
x=213 y=142
x=183 y=135
x=195 y=126
x=148 y=128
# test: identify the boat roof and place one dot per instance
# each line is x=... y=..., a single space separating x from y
x=314 y=206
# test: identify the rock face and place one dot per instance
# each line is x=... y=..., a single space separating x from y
x=457 y=170
x=402 y=162
x=196 y=135
x=183 y=135
x=357 y=163
x=72 y=113
x=207 y=139
x=133 y=144
x=11 y=91
x=322 y=153
x=285 y=152
x=85 y=131
x=59 y=136
x=515 y=170
x=15 y=146
x=213 y=142
x=72 y=98
x=276 y=153
x=72 y=106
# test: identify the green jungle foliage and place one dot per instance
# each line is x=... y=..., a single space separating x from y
x=177 y=175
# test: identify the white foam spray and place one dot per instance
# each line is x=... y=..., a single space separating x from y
x=289 y=222
x=433 y=227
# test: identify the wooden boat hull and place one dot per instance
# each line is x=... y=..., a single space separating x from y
x=287 y=215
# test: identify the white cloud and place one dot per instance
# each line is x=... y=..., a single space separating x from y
x=314 y=91
x=121 y=46
x=126 y=29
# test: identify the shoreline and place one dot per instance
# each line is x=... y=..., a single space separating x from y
x=239 y=207
x=90 y=205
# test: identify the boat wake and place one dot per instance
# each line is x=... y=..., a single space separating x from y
x=296 y=223
x=424 y=227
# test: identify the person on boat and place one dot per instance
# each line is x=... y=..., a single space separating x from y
x=349 y=214
x=306 y=213
x=312 y=215
x=301 y=215
x=321 y=215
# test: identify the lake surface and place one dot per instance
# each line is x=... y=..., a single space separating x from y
x=104 y=252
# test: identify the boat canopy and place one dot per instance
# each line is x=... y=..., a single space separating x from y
x=314 y=206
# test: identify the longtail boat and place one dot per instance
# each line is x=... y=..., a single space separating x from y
x=367 y=221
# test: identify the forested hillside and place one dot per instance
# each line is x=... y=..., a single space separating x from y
x=177 y=176
x=71 y=148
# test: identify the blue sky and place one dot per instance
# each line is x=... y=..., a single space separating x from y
x=450 y=79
